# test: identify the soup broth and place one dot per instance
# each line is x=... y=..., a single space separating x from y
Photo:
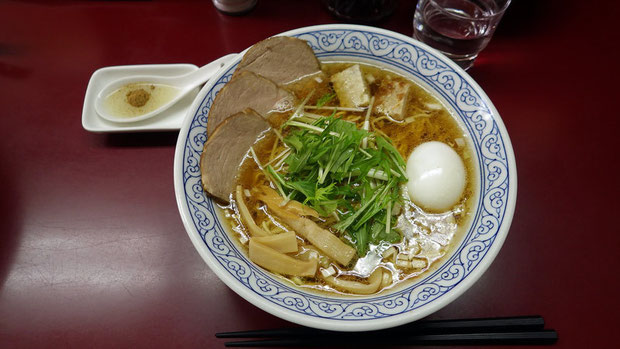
x=425 y=237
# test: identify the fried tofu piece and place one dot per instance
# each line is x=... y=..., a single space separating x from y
x=391 y=98
x=351 y=87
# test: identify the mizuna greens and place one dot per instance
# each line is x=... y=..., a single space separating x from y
x=343 y=171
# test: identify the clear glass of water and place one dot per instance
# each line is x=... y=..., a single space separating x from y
x=460 y=29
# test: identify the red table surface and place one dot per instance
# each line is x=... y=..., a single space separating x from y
x=93 y=252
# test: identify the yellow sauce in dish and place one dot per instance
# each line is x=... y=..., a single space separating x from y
x=136 y=99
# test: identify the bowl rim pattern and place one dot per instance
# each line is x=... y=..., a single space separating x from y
x=481 y=243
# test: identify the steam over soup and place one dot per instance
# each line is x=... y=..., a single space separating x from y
x=322 y=197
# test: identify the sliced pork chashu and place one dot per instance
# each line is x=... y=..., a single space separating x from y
x=225 y=149
x=281 y=59
x=248 y=90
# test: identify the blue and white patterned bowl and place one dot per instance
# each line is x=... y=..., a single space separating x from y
x=493 y=208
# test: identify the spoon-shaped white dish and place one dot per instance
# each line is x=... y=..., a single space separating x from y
x=179 y=85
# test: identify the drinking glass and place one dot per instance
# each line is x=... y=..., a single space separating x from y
x=460 y=29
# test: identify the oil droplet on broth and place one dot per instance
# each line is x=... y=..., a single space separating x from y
x=156 y=95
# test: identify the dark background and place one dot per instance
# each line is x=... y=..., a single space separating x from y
x=93 y=252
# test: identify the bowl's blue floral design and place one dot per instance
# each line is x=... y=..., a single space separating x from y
x=474 y=112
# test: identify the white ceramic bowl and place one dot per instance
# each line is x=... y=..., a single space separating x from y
x=493 y=207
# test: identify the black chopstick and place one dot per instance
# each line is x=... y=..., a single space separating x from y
x=506 y=330
x=504 y=324
x=542 y=337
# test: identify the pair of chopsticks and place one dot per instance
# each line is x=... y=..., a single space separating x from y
x=522 y=330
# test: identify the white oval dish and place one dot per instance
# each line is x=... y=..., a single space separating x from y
x=170 y=120
x=493 y=209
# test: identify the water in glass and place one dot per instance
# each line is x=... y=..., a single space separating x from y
x=458 y=28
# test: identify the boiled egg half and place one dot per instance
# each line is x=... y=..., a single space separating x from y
x=436 y=176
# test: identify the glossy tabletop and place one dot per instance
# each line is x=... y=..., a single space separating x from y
x=93 y=253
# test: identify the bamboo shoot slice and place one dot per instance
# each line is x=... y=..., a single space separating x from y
x=272 y=198
x=284 y=242
x=322 y=239
x=374 y=281
x=278 y=262
x=254 y=229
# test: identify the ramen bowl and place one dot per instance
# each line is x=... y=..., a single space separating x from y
x=492 y=206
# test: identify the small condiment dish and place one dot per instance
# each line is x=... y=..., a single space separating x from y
x=169 y=120
x=140 y=109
